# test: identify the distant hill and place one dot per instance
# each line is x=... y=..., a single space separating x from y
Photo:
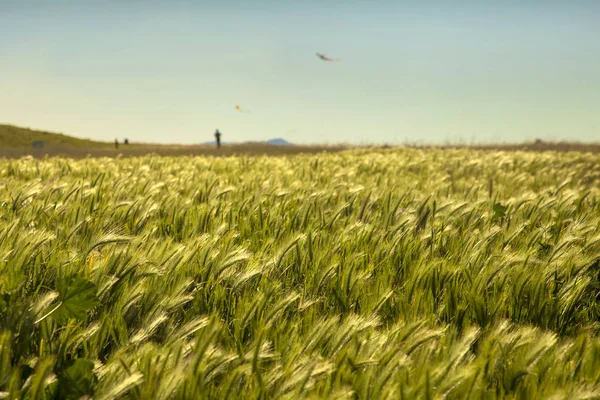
x=16 y=137
x=279 y=141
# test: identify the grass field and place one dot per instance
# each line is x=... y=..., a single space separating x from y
x=364 y=274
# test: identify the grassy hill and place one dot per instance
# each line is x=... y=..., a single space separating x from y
x=16 y=142
x=16 y=137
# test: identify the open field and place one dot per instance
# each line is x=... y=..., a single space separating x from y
x=363 y=274
x=137 y=150
x=16 y=142
x=261 y=149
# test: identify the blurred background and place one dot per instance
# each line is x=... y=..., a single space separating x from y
x=458 y=72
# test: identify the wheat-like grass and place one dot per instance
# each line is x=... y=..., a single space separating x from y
x=390 y=273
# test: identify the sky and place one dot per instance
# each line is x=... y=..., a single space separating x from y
x=411 y=72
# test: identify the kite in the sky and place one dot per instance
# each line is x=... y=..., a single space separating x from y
x=325 y=58
x=238 y=108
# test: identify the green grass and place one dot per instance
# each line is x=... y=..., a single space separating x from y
x=16 y=137
x=366 y=274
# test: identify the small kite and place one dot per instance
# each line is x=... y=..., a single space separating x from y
x=240 y=109
x=325 y=58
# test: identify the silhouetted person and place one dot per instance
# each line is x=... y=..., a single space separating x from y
x=116 y=143
x=218 y=137
x=126 y=141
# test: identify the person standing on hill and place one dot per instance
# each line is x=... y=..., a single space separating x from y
x=218 y=138
x=116 y=143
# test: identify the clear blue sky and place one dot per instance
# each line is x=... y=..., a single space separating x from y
x=173 y=71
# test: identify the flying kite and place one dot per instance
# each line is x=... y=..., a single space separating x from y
x=325 y=58
x=238 y=108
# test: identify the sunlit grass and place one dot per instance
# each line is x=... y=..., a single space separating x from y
x=364 y=274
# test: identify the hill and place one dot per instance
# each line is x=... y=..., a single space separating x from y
x=280 y=141
x=16 y=142
x=16 y=137
x=277 y=141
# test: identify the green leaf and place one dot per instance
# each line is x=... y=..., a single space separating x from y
x=76 y=299
x=499 y=211
x=77 y=380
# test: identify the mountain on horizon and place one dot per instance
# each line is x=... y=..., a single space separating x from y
x=279 y=141
x=12 y=136
x=275 y=141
